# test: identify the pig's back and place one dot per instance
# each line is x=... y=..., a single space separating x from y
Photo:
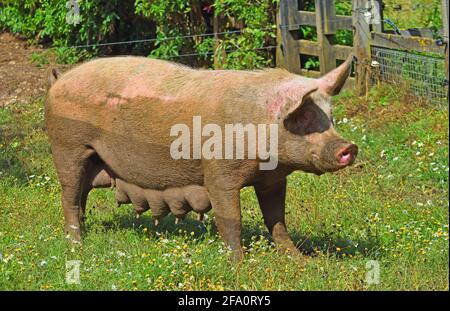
x=125 y=107
x=111 y=105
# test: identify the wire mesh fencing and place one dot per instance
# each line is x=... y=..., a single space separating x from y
x=423 y=75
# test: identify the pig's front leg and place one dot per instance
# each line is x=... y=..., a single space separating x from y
x=272 y=203
x=227 y=215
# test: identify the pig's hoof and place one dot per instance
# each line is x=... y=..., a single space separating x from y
x=200 y=216
x=297 y=255
x=178 y=220
x=73 y=233
x=236 y=256
x=156 y=222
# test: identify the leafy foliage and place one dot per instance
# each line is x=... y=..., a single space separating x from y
x=246 y=28
x=236 y=48
x=45 y=21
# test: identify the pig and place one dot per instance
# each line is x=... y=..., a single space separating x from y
x=111 y=118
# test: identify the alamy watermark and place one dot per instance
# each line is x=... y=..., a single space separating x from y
x=73 y=15
x=261 y=141
x=372 y=12
x=73 y=271
x=373 y=272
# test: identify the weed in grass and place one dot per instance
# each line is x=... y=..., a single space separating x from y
x=391 y=206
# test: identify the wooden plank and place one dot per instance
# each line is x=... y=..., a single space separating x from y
x=325 y=9
x=309 y=47
x=279 y=57
x=341 y=52
x=417 y=32
x=300 y=18
x=445 y=8
x=307 y=18
x=361 y=44
x=339 y=22
x=289 y=42
x=398 y=42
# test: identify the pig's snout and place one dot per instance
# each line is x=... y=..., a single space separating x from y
x=335 y=155
x=347 y=155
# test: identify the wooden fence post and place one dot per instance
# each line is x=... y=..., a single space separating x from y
x=445 y=32
x=361 y=43
x=324 y=13
x=280 y=48
x=289 y=43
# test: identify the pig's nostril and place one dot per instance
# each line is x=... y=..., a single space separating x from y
x=346 y=155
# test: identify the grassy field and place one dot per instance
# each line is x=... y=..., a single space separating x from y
x=392 y=207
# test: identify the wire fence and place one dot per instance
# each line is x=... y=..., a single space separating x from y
x=150 y=40
x=423 y=75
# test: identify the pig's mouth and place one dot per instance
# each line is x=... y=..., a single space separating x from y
x=334 y=157
x=324 y=165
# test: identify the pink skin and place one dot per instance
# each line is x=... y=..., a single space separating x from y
x=289 y=91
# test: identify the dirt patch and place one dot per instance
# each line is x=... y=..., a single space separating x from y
x=21 y=81
x=383 y=105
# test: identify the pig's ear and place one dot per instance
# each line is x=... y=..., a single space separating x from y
x=307 y=118
x=332 y=82
x=292 y=106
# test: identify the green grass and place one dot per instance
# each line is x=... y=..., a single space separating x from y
x=391 y=207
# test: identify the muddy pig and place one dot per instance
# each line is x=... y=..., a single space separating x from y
x=117 y=116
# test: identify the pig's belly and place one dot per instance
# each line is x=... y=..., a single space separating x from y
x=147 y=164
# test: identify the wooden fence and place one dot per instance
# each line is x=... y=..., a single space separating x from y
x=366 y=24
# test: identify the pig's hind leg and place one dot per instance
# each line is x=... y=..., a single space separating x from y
x=72 y=165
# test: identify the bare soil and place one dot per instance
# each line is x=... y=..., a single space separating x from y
x=21 y=81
